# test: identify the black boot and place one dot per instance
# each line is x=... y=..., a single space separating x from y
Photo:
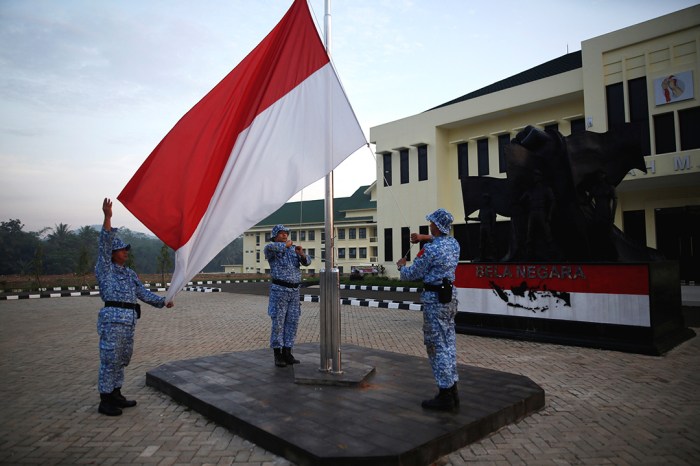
x=120 y=400
x=108 y=405
x=279 y=358
x=443 y=401
x=289 y=357
x=455 y=395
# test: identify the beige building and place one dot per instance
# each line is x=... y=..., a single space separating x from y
x=647 y=73
x=355 y=232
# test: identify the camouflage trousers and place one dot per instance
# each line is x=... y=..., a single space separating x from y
x=440 y=341
x=284 y=309
x=116 y=348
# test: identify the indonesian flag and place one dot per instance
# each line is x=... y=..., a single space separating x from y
x=275 y=124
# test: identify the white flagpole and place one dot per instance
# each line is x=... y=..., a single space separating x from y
x=330 y=276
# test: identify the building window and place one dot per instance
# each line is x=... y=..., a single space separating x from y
x=462 y=160
x=689 y=121
x=352 y=232
x=423 y=230
x=482 y=154
x=406 y=242
x=362 y=232
x=257 y=256
x=615 y=102
x=388 y=245
x=341 y=233
x=312 y=235
x=503 y=141
x=403 y=165
x=634 y=222
x=323 y=236
x=363 y=253
x=302 y=235
x=665 y=133
x=387 y=168
x=352 y=253
x=578 y=125
x=639 y=110
x=294 y=235
x=257 y=240
x=422 y=163
x=311 y=252
x=341 y=253
x=553 y=127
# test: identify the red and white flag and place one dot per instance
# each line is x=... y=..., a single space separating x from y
x=278 y=122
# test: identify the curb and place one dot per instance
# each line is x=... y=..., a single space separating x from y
x=385 y=304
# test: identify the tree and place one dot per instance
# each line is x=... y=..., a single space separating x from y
x=87 y=242
x=87 y=237
x=62 y=250
x=17 y=247
x=165 y=262
x=61 y=233
x=85 y=265
x=37 y=264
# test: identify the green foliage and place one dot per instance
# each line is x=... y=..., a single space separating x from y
x=165 y=262
x=17 y=248
x=61 y=250
x=65 y=251
x=37 y=264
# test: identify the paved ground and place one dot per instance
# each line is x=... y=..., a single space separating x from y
x=602 y=407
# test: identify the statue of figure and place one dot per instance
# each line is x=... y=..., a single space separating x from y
x=538 y=201
x=603 y=201
x=581 y=172
x=487 y=229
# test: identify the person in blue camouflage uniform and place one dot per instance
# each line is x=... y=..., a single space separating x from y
x=437 y=261
x=284 y=308
x=119 y=289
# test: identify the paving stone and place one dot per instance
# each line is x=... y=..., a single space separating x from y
x=604 y=406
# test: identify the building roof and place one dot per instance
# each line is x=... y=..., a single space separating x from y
x=313 y=211
x=568 y=62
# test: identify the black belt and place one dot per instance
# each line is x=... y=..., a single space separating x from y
x=428 y=287
x=134 y=306
x=285 y=284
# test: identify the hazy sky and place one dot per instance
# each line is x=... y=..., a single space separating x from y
x=89 y=88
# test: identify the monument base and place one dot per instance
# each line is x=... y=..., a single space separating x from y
x=633 y=308
x=378 y=422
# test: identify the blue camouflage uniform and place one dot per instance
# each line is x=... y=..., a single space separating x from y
x=439 y=260
x=284 y=308
x=115 y=325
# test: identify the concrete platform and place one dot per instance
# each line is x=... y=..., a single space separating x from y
x=378 y=422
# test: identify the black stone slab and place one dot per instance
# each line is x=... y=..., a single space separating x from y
x=378 y=422
x=665 y=331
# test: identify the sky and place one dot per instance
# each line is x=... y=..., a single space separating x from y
x=88 y=88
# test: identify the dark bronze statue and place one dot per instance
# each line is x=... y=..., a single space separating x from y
x=487 y=229
x=559 y=194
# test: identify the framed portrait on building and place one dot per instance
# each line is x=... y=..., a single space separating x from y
x=673 y=88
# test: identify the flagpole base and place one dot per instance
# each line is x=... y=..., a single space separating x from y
x=330 y=322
